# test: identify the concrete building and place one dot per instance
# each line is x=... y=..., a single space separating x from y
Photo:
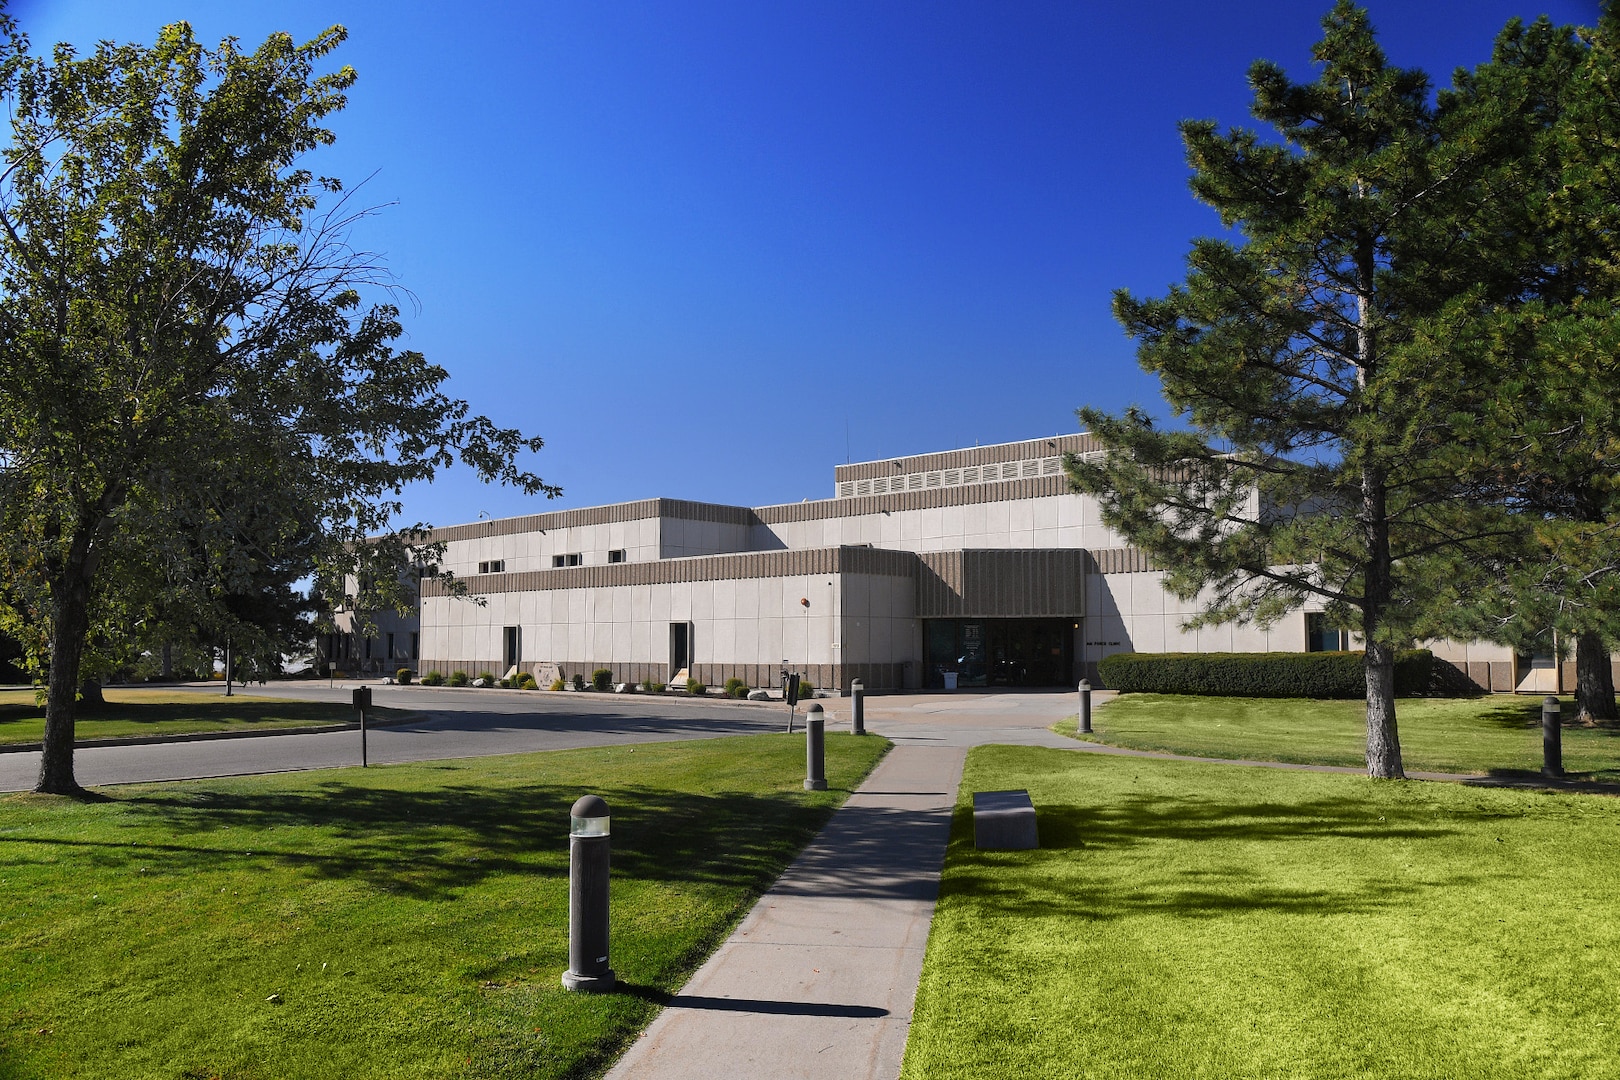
x=978 y=562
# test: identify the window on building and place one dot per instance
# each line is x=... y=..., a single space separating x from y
x=1320 y=637
x=494 y=566
x=616 y=555
x=571 y=559
x=416 y=645
x=390 y=646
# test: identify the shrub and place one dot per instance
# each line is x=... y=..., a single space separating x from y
x=658 y=687
x=505 y=683
x=1310 y=675
x=458 y=678
x=579 y=681
x=602 y=680
x=525 y=681
x=693 y=686
x=486 y=677
x=736 y=688
x=433 y=678
x=807 y=689
x=403 y=676
x=647 y=685
x=558 y=684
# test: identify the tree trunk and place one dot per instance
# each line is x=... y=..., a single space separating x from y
x=1594 y=681
x=71 y=617
x=1383 y=738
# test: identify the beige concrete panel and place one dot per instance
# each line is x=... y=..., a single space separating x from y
x=1147 y=595
x=1045 y=512
x=1102 y=599
x=745 y=598
x=1147 y=633
x=998 y=522
x=1249 y=639
x=953 y=526
x=1020 y=517
x=680 y=601
x=722 y=635
x=932 y=527
x=771 y=642
x=703 y=609
x=723 y=599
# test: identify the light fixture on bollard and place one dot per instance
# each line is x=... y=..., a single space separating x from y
x=857 y=707
x=815 y=749
x=1085 y=707
x=589 y=847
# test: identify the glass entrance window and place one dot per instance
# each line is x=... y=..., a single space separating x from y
x=999 y=652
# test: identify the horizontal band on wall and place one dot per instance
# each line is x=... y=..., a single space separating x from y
x=882 y=562
x=1036 y=487
x=597 y=515
x=978 y=455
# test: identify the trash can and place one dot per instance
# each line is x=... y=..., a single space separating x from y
x=950 y=680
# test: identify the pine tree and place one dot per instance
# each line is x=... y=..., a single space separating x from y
x=1320 y=459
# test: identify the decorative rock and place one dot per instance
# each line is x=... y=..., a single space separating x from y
x=480 y=682
x=759 y=695
x=624 y=688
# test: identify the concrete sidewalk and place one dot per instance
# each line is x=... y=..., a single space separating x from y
x=819 y=979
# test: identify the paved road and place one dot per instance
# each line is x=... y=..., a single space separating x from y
x=456 y=723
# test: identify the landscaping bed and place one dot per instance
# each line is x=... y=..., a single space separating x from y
x=1500 y=733
x=1195 y=920
x=402 y=921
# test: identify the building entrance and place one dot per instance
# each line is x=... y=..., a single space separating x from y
x=998 y=652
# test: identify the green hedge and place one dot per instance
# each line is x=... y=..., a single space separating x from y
x=1309 y=675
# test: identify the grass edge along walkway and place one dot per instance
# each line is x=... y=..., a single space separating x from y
x=1186 y=920
x=405 y=920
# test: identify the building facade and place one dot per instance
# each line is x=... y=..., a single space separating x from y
x=977 y=562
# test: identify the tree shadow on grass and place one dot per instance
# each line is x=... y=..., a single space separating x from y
x=431 y=844
x=1001 y=883
x=245 y=711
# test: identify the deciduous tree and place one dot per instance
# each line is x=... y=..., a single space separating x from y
x=188 y=356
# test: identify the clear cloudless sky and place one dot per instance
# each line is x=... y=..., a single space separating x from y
x=709 y=250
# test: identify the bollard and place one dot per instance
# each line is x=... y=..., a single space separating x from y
x=857 y=715
x=1085 y=707
x=589 y=848
x=362 y=702
x=1552 y=737
x=815 y=749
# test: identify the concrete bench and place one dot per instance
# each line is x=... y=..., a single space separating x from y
x=1003 y=821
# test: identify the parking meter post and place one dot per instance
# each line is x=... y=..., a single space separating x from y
x=589 y=858
x=1552 y=737
x=790 y=693
x=815 y=749
x=1085 y=707
x=857 y=714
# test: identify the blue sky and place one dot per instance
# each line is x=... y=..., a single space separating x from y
x=710 y=250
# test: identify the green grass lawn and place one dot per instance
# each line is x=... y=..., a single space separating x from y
x=143 y=712
x=404 y=921
x=1191 y=920
x=1464 y=735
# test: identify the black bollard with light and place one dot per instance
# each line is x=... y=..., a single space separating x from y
x=1085 y=707
x=857 y=707
x=362 y=705
x=815 y=749
x=1552 y=737
x=589 y=848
